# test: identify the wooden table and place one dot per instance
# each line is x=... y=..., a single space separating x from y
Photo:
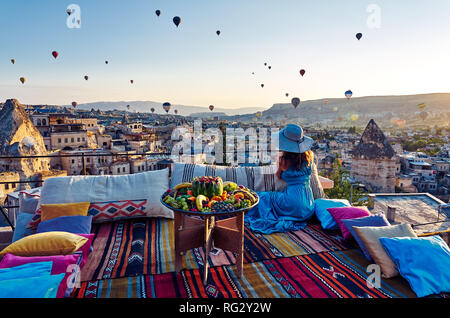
x=205 y=231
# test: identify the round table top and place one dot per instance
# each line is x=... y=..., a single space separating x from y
x=198 y=213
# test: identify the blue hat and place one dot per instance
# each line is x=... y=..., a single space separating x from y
x=291 y=139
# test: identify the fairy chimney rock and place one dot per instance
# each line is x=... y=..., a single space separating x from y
x=19 y=137
x=374 y=160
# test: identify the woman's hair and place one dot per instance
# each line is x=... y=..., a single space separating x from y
x=296 y=160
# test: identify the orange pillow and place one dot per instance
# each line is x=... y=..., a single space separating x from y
x=52 y=211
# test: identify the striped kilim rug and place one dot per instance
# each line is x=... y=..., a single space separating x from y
x=332 y=274
x=146 y=246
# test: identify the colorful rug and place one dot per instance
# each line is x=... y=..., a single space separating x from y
x=335 y=274
x=146 y=246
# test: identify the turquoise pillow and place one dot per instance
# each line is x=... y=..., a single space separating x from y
x=320 y=208
x=31 y=287
x=21 y=230
x=26 y=270
x=423 y=261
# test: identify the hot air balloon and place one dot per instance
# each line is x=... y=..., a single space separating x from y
x=262 y=85
x=86 y=77
x=359 y=36
x=400 y=122
x=176 y=111
x=265 y=64
x=325 y=102
x=177 y=21
x=270 y=67
x=55 y=54
x=69 y=11
x=259 y=114
x=23 y=79
x=422 y=106
x=211 y=107
x=74 y=104
x=158 y=12
x=166 y=106
x=295 y=101
x=128 y=107
x=348 y=94
x=287 y=94
x=335 y=109
x=152 y=110
x=106 y=62
x=218 y=32
x=354 y=117
x=302 y=72
x=13 y=61
x=131 y=81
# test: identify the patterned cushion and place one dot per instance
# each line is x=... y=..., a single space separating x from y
x=35 y=220
x=116 y=210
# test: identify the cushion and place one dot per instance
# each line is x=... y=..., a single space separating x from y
x=45 y=244
x=372 y=220
x=35 y=220
x=116 y=210
x=31 y=287
x=26 y=270
x=60 y=264
x=51 y=211
x=325 y=218
x=149 y=186
x=339 y=214
x=73 y=224
x=423 y=261
x=260 y=178
x=370 y=237
x=28 y=202
x=86 y=249
x=21 y=230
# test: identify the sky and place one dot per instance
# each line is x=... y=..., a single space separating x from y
x=405 y=52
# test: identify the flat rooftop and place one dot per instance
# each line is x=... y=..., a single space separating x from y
x=417 y=209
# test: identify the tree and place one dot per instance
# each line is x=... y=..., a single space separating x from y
x=342 y=187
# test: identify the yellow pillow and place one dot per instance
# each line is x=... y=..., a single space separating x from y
x=46 y=244
x=52 y=211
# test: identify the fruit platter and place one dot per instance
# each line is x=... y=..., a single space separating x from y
x=209 y=195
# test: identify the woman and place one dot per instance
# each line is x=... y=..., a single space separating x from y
x=289 y=209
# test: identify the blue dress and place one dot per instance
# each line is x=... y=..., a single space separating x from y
x=286 y=210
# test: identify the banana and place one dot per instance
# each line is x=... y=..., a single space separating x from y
x=247 y=194
x=183 y=185
x=199 y=201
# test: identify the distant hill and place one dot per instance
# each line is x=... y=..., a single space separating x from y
x=383 y=109
x=145 y=106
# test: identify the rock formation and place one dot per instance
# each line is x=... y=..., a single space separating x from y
x=19 y=137
x=374 y=162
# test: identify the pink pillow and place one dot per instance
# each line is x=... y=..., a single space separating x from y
x=86 y=248
x=349 y=212
x=60 y=264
